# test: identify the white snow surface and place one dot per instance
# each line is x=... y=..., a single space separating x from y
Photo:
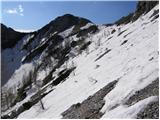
x=123 y=111
x=86 y=26
x=134 y=63
x=66 y=32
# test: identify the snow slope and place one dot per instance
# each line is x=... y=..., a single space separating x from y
x=11 y=62
x=130 y=55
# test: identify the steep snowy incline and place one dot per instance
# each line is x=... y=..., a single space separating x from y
x=129 y=55
x=11 y=61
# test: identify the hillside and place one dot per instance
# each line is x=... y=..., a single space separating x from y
x=73 y=68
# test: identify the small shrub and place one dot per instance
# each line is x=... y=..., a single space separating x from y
x=113 y=31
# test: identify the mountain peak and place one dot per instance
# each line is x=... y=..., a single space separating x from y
x=67 y=15
x=70 y=17
x=63 y=22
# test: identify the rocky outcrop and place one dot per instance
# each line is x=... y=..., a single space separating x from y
x=89 y=108
x=125 y=19
x=143 y=7
x=151 y=111
x=50 y=33
x=62 y=23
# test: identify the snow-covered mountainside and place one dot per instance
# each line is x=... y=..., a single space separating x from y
x=81 y=70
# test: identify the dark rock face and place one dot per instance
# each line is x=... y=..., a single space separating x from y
x=62 y=23
x=150 y=90
x=54 y=40
x=91 y=29
x=62 y=77
x=143 y=7
x=9 y=37
x=152 y=110
x=89 y=108
x=125 y=20
x=58 y=25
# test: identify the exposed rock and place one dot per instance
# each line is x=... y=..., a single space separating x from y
x=125 y=41
x=91 y=29
x=109 y=24
x=113 y=31
x=152 y=109
x=62 y=76
x=150 y=112
x=89 y=108
x=107 y=51
x=62 y=23
x=143 y=7
x=125 y=19
x=151 y=90
x=54 y=41
x=85 y=45
x=122 y=32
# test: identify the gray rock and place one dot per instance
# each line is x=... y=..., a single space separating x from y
x=151 y=90
x=152 y=109
x=89 y=108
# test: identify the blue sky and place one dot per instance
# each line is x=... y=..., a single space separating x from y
x=34 y=15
